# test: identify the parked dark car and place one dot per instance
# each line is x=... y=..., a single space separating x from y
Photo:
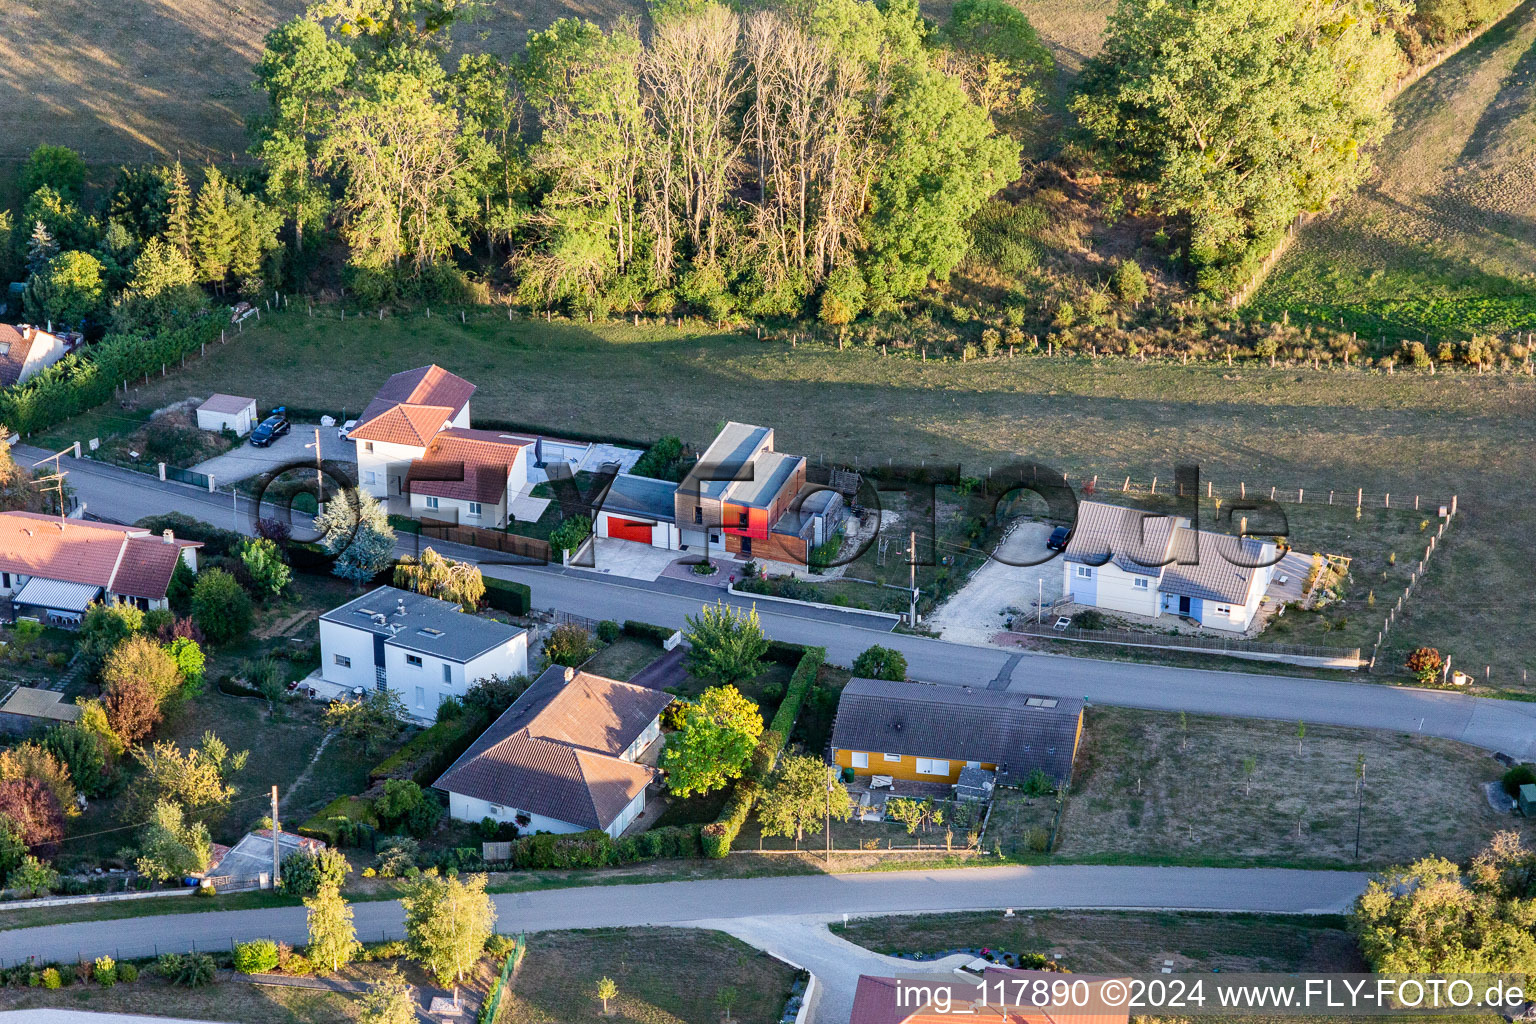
x=271 y=428
x=1059 y=538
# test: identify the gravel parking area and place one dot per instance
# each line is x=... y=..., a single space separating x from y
x=245 y=460
x=979 y=610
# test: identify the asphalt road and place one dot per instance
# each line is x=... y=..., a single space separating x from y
x=717 y=903
x=1496 y=725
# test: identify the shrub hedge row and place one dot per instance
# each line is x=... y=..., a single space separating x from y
x=431 y=751
x=647 y=631
x=716 y=837
x=595 y=849
x=506 y=596
x=337 y=821
x=84 y=380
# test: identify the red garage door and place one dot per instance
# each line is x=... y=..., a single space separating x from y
x=629 y=529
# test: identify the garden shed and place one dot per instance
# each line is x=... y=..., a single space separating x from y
x=228 y=412
x=1526 y=800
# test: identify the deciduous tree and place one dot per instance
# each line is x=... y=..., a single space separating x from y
x=332 y=936
x=726 y=643
x=170 y=846
x=715 y=743
x=801 y=793
x=447 y=923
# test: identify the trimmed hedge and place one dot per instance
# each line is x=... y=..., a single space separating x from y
x=338 y=821
x=716 y=837
x=595 y=849
x=431 y=751
x=507 y=596
x=646 y=631
x=86 y=379
x=216 y=541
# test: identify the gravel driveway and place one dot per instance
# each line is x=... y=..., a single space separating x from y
x=979 y=609
x=245 y=460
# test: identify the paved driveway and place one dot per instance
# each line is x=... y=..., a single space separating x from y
x=245 y=460
x=979 y=610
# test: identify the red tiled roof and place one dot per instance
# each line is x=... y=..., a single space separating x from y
x=470 y=465
x=426 y=386
x=123 y=559
x=413 y=425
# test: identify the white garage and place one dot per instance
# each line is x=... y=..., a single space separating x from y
x=228 y=412
x=639 y=509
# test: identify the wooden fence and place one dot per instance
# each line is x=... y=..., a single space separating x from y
x=531 y=548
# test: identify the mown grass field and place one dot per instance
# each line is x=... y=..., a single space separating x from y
x=1441 y=241
x=1403 y=433
x=1148 y=790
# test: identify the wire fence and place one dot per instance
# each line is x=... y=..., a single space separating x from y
x=209 y=944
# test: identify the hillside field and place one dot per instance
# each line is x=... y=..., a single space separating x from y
x=1441 y=242
x=1402 y=434
x=145 y=80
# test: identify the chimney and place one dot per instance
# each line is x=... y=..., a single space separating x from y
x=26 y=332
x=1242 y=527
x=570 y=673
x=168 y=536
x=400 y=606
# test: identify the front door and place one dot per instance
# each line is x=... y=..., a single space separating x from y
x=1183 y=605
x=746 y=546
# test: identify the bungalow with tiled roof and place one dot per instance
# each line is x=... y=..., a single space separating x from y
x=52 y=569
x=563 y=758
x=1126 y=560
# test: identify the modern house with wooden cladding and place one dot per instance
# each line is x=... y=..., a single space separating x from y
x=737 y=494
x=923 y=732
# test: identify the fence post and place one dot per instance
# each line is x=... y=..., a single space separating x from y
x=210 y=483
x=162 y=472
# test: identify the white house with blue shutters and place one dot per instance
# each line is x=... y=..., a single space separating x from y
x=1142 y=563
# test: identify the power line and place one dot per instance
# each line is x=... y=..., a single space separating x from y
x=141 y=824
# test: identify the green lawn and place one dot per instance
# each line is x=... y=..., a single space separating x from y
x=1404 y=433
x=1134 y=942
x=1441 y=243
x=622 y=658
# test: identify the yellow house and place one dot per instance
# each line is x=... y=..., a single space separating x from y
x=923 y=732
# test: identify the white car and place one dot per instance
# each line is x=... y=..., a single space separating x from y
x=345 y=429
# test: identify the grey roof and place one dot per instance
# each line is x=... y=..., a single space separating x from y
x=1137 y=541
x=1215 y=577
x=427 y=625
x=641 y=495
x=1018 y=732
x=736 y=444
x=555 y=751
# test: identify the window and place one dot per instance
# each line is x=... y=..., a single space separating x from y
x=860 y=759
x=447 y=673
x=370 y=477
x=368 y=447
x=930 y=766
x=1141 y=583
x=1223 y=611
x=342 y=660
x=891 y=757
x=421 y=697
x=1084 y=572
x=1040 y=702
x=743 y=519
x=431 y=503
x=698 y=515
x=474 y=509
x=413 y=660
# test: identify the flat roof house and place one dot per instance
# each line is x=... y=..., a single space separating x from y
x=562 y=758
x=746 y=514
x=424 y=649
x=51 y=569
x=1127 y=560
x=923 y=732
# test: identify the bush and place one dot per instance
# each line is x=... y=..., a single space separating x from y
x=1519 y=775
x=1037 y=783
x=127 y=973
x=881 y=663
x=189 y=970
x=50 y=977
x=406 y=807
x=104 y=971
x=645 y=631
x=1128 y=281
x=608 y=631
x=568 y=644
x=220 y=606
x=397 y=856
x=506 y=596
x=305 y=872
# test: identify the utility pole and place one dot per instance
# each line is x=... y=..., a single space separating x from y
x=912 y=584
x=54 y=481
x=1359 y=799
x=277 y=869
x=319 y=477
x=830 y=778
